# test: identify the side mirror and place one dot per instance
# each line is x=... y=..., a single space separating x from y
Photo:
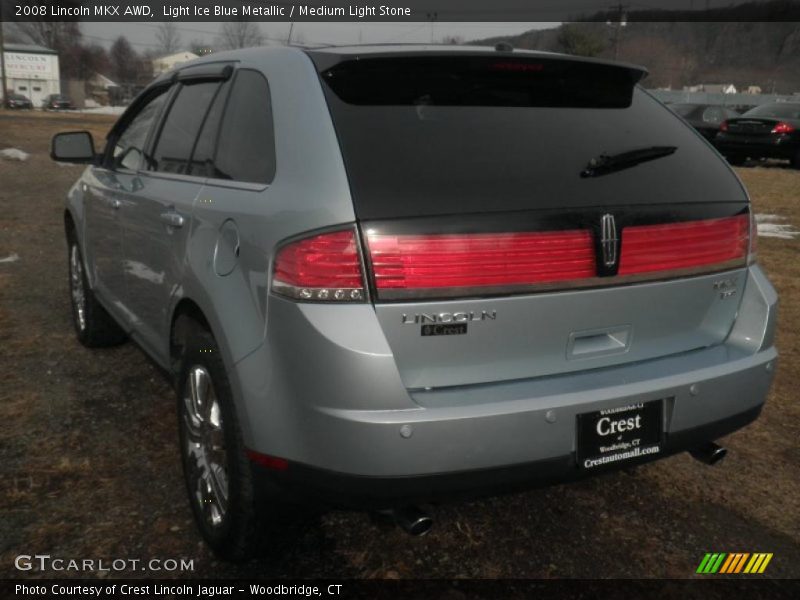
x=73 y=147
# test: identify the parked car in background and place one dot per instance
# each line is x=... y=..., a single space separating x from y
x=766 y=131
x=57 y=102
x=706 y=118
x=18 y=101
x=519 y=284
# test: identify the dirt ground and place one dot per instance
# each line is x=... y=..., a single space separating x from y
x=89 y=463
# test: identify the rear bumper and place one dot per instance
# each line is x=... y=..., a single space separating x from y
x=355 y=435
x=778 y=148
x=305 y=484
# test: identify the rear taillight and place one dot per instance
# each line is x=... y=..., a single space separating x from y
x=751 y=255
x=455 y=264
x=687 y=246
x=723 y=126
x=782 y=128
x=323 y=268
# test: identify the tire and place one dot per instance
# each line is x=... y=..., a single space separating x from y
x=228 y=511
x=94 y=327
x=796 y=160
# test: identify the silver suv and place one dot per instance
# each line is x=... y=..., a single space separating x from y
x=380 y=276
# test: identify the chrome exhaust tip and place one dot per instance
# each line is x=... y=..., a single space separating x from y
x=709 y=454
x=413 y=520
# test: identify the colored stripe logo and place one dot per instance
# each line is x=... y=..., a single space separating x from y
x=734 y=563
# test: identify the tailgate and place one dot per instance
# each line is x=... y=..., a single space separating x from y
x=495 y=250
x=461 y=309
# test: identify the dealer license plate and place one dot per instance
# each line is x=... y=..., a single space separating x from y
x=615 y=435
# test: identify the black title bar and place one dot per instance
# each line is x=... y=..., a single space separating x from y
x=399 y=10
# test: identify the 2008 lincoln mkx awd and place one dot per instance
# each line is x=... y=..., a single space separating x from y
x=383 y=276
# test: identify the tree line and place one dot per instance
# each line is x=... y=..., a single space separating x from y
x=81 y=58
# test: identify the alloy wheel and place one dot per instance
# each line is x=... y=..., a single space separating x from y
x=205 y=446
x=76 y=287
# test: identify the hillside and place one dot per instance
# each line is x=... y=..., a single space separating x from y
x=766 y=54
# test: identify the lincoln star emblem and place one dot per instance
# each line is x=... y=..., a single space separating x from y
x=608 y=239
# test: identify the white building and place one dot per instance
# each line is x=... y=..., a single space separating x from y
x=32 y=71
x=711 y=88
x=167 y=63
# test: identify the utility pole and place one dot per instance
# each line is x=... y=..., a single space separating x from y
x=4 y=87
x=622 y=21
x=432 y=17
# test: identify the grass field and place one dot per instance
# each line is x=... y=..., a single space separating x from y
x=89 y=464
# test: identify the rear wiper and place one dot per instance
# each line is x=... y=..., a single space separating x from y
x=604 y=164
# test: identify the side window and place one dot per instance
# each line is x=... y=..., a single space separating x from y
x=202 y=163
x=129 y=147
x=246 y=146
x=179 y=132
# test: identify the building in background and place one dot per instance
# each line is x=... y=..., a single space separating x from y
x=711 y=88
x=32 y=71
x=167 y=63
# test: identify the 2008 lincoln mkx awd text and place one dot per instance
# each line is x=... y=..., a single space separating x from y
x=382 y=276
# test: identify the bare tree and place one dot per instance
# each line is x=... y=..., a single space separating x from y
x=579 y=40
x=240 y=34
x=168 y=37
x=453 y=40
x=125 y=62
x=57 y=36
x=76 y=61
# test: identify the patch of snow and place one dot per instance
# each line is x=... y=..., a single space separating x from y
x=13 y=257
x=775 y=230
x=63 y=164
x=767 y=227
x=768 y=218
x=14 y=154
x=101 y=110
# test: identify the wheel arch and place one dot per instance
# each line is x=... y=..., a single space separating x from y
x=185 y=314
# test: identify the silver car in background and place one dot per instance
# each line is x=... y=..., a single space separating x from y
x=383 y=276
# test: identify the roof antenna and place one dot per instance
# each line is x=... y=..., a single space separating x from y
x=504 y=47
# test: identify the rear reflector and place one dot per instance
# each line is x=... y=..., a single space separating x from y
x=685 y=246
x=273 y=463
x=478 y=262
x=322 y=268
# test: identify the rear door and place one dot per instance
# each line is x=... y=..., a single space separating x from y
x=527 y=216
x=158 y=219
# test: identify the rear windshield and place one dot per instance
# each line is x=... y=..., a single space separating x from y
x=451 y=135
x=778 y=111
x=684 y=110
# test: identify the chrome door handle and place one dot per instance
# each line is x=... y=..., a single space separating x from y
x=116 y=204
x=173 y=219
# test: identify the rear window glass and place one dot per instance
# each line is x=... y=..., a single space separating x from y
x=480 y=81
x=683 y=110
x=174 y=146
x=778 y=111
x=202 y=163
